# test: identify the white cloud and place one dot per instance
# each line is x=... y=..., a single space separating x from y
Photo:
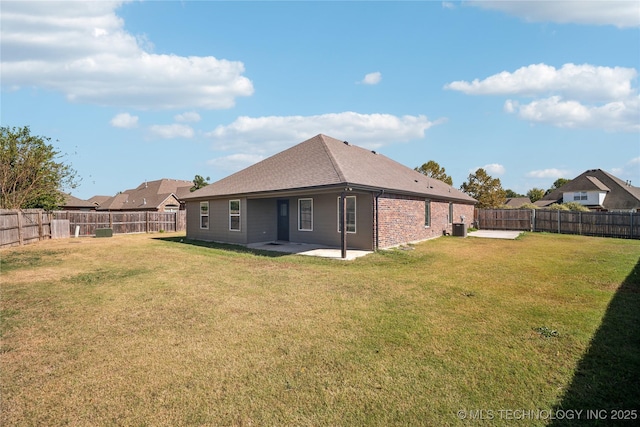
x=573 y=96
x=448 y=5
x=172 y=131
x=187 y=117
x=491 y=169
x=622 y=14
x=124 y=120
x=494 y=168
x=268 y=135
x=548 y=173
x=235 y=162
x=584 y=81
x=82 y=50
x=372 y=78
x=613 y=116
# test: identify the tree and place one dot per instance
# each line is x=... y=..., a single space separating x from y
x=557 y=184
x=510 y=194
x=31 y=173
x=535 y=194
x=485 y=189
x=433 y=170
x=199 y=182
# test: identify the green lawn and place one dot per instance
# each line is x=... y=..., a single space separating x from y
x=154 y=330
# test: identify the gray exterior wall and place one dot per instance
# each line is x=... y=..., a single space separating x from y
x=218 y=230
x=262 y=222
x=325 y=221
x=259 y=222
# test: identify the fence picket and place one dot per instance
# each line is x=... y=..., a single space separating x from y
x=18 y=227
x=604 y=224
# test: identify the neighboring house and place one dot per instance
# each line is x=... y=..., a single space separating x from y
x=296 y=195
x=597 y=190
x=72 y=203
x=163 y=195
x=516 y=202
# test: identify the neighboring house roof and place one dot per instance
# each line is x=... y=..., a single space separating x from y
x=322 y=162
x=148 y=195
x=98 y=200
x=620 y=194
x=516 y=202
x=76 y=203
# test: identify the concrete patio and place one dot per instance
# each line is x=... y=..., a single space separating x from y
x=496 y=234
x=308 y=249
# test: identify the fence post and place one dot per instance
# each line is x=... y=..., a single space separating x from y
x=533 y=220
x=631 y=225
x=558 y=212
x=580 y=223
x=20 y=238
x=146 y=225
x=40 y=231
x=111 y=220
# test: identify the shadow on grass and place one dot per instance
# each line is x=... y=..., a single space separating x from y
x=607 y=379
x=223 y=247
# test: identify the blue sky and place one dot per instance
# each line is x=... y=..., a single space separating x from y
x=132 y=91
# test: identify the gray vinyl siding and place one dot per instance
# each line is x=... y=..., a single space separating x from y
x=262 y=221
x=259 y=223
x=325 y=222
x=218 y=222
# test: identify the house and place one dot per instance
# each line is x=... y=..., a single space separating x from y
x=597 y=190
x=72 y=203
x=517 y=202
x=163 y=195
x=298 y=195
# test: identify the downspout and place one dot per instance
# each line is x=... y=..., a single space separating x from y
x=378 y=220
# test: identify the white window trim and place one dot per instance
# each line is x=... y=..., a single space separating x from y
x=427 y=206
x=355 y=215
x=202 y=215
x=231 y=215
x=299 y=212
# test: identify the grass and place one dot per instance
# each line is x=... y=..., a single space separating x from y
x=151 y=330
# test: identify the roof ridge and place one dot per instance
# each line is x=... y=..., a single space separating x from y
x=332 y=158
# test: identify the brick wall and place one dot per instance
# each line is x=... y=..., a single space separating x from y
x=402 y=219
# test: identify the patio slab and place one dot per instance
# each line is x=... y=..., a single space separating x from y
x=496 y=234
x=308 y=250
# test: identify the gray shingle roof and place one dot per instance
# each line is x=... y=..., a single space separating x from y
x=322 y=162
x=148 y=195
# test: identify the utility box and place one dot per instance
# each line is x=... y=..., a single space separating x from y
x=104 y=232
x=460 y=229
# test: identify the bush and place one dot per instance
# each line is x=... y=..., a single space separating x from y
x=558 y=207
x=574 y=206
x=528 y=206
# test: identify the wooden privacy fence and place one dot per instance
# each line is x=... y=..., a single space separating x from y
x=22 y=227
x=123 y=222
x=604 y=224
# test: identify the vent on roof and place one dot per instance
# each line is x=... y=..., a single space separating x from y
x=415 y=180
x=373 y=152
x=346 y=142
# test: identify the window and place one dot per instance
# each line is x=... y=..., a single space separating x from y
x=450 y=213
x=234 y=215
x=305 y=214
x=204 y=214
x=582 y=195
x=427 y=213
x=351 y=214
